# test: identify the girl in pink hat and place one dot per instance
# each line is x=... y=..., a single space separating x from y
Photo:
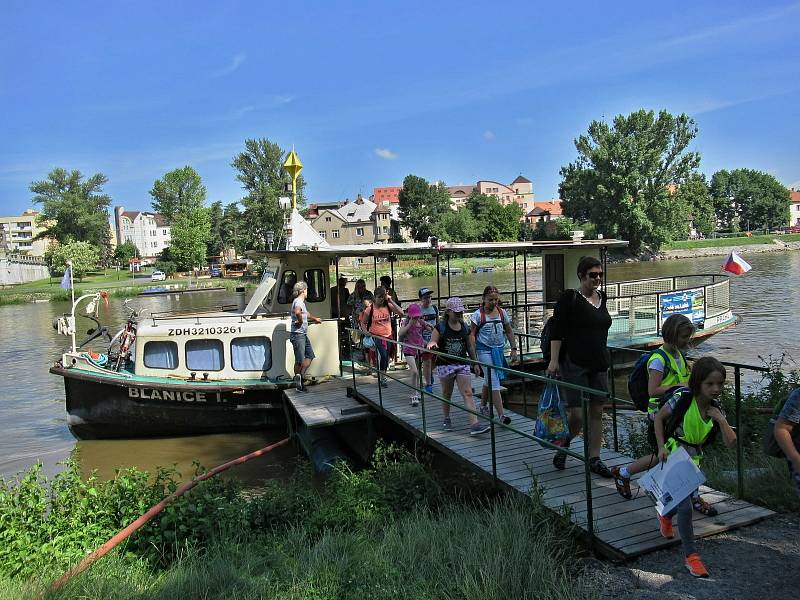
x=452 y=337
x=411 y=334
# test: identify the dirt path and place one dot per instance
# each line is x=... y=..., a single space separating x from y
x=759 y=562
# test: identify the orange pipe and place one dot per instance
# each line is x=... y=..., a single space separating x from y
x=152 y=512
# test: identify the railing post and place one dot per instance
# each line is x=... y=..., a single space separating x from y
x=491 y=424
x=737 y=377
x=422 y=394
x=352 y=356
x=587 y=472
x=378 y=370
x=525 y=287
x=516 y=300
x=524 y=384
x=613 y=399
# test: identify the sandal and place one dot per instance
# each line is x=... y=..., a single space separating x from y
x=560 y=461
x=703 y=507
x=623 y=484
x=598 y=467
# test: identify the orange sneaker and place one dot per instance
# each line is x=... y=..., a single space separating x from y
x=695 y=565
x=665 y=525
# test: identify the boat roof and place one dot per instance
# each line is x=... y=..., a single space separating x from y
x=424 y=248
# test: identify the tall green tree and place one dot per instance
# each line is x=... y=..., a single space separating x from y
x=216 y=239
x=233 y=228
x=422 y=205
x=179 y=191
x=621 y=177
x=457 y=226
x=497 y=223
x=180 y=196
x=83 y=255
x=74 y=209
x=695 y=198
x=264 y=180
x=124 y=252
x=749 y=199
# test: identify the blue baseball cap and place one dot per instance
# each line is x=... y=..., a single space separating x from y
x=424 y=292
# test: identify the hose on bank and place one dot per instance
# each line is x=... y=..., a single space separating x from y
x=152 y=512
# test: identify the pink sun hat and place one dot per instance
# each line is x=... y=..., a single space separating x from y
x=414 y=310
x=455 y=304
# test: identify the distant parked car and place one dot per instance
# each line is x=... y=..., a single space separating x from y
x=215 y=272
x=158 y=276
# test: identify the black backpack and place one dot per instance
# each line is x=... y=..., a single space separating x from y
x=639 y=377
x=673 y=424
x=547 y=331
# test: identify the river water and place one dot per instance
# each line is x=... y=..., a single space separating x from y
x=32 y=401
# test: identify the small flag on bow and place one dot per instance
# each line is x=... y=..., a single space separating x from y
x=736 y=264
x=66 y=280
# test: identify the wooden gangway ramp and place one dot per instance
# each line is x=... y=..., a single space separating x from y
x=623 y=528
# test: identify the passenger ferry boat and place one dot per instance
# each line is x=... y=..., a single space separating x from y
x=205 y=372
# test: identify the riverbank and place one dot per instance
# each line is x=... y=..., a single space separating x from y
x=779 y=244
x=394 y=530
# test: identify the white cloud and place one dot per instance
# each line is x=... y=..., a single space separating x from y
x=282 y=99
x=236 y=62
x=488 y=135
x=385 y=153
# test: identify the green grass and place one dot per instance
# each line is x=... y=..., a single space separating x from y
x=733 y=241
x=117 y=284
x=510 y=549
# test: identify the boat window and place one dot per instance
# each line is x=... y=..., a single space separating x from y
x=288 y=280
x=315 y=278
x=161 y=355
x=251 y=354
x=204 y=355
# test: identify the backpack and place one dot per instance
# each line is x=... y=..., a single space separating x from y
x=769 y=444
x=483 y=319
x=639 y=377
x=679 y=412
x=547 y=331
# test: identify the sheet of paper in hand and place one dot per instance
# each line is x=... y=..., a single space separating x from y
x=670 y=482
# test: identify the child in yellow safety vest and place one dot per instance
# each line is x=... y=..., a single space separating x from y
x=666 y=368
x=690 y=419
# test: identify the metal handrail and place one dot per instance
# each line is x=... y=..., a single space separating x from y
x=488 y=369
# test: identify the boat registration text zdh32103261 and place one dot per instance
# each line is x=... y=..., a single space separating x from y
x=204 y=330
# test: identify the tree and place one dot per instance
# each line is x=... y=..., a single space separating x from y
x=180 y=196
x=124 y=252
x=621 y=178
x=496 y=222
x=216 y=240
x=74 y=209
x=422 y=205
x=457 y=226
x=180 y=191
x=188 y=238
x=749 y=199
x=233 y=230
x=261 y=173
x=695 y=200
x=84 y=257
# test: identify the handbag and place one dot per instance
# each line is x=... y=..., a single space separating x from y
x=551 y=422
x=367 y=341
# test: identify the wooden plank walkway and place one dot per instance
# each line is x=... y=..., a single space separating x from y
x=327 y=404
x=624 y=528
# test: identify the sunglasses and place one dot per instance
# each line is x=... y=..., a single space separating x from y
x=595 y=275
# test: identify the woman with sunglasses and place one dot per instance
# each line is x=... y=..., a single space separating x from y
x=579 y=355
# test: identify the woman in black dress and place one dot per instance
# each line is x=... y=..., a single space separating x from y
x=579 y=355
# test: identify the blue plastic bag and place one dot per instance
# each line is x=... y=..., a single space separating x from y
x=551 y=422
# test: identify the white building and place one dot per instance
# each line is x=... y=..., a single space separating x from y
x=148 y=231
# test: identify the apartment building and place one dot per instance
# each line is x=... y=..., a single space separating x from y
x=148 y=231
x=794 y=209
x=542 y=212
x=17 y=234
x=360 y=221
x=386 y=194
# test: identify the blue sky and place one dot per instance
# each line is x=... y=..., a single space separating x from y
x=369 y=92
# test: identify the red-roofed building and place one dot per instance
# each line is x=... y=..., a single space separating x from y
x=545 y=211
x=794 y=209
x=148 y=231
x=386 y=194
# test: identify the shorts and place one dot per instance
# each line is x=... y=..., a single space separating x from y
x=448 y=371
x=486 y=357
x=302 y=347
x=572 y=373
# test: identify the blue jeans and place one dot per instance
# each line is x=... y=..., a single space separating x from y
x=383 y=355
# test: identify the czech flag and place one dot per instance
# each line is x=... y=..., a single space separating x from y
x=736 y=264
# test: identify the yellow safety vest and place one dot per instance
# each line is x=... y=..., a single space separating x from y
x=676 y=373
x=695 y=430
